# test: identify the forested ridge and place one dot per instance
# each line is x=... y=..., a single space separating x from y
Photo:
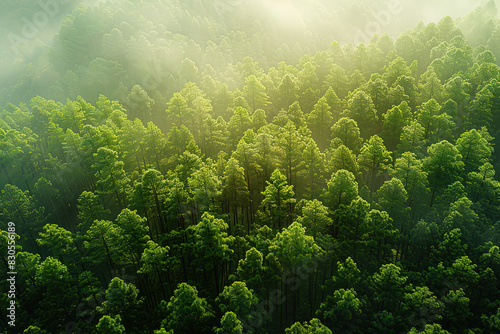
x=170 y=168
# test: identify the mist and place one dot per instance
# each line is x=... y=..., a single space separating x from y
x=29 y=33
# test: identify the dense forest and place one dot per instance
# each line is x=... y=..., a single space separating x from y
x=200 y=167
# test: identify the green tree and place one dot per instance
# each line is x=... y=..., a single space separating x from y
x=139 y=104
x=449 y=248
x=278 y=200
x=34 y=330
x=314 y=217
x=374 y=159
x=313 y=169
x=230 y=324
x=111 y=178
x=319 y=121
x=251 y=270
x=420 y=300
x=290 y=147
x=255 y=93
x=155 y=144
x=266 y=154
x=394 y=121
x=234 y=188
x=456 y=313
x=443 y=166
x=123 y=300
x=134 y=234
x=334 y=103
x=392 y=198
x=103 y=241
x=156 y=260
x=429 y=86
x=342 y=189
x=360 y=108
x=348 y=275
x=337 y=79
x=474 y=149
x=89 y=209
x=343 y=158
x=429 y=329
x=238 y=124
x=379 y=92
x=177 y=110
x=18 y=206
x=186 y=312
x=110 y=325
x=457 y=88
x=52 y=276
x=212 y=247
x=348 y=131
x=435 y=122
x=460 y=215
x=412 y=138
x=294 y=250
x=389 y=286
x=395 y=69
x=343 y=309
x=314 y=327
x=237 y=298
x=287 y=91
x=293 y=113
x=409 y=170
x=205 y=187
x=57 y=239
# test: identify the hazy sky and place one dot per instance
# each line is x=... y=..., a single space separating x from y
x=433 y=11
x=290 y=15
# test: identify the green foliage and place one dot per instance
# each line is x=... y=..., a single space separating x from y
x=314 y=327
x=342 y=189
x=110 y=325
x=278 y=199
x=237 y=298
x=356 y=182
x=187 y=311
x=314 y=217
x=374 y=159
x=230 y=324
x=343 y=308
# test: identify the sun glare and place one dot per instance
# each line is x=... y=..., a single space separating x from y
x=285 y=13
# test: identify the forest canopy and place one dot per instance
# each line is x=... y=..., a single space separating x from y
x=249 y=167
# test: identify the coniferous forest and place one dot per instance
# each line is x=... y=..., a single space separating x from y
x=223 y=167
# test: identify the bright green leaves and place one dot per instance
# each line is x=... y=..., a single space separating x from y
x=474 y=149
x=237 y=298
x=443 y=166
x=360 y=108
x=212 y=246
x=389 y=286
x=122 y=299
x=292 y=247
x=110 y=325
x=375 y=159
x=319 y=121
x=342 y=309
x=278 y=199
x=111 y=178
x=230 y=324
x=347 y=130
x=313 y=327
x=342 y=189
x=315 y=217
x=186 y=312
